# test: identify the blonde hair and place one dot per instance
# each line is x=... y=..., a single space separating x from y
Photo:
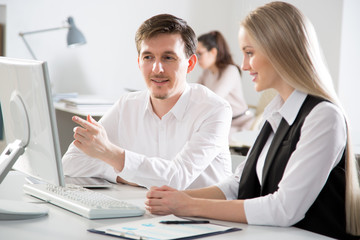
x=292 y=47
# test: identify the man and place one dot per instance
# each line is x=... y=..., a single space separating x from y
x=172 y=134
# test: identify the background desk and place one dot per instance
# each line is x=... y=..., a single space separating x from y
x=63 y=225
x=245 y=138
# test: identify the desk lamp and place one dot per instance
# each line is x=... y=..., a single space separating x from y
x=74 y=36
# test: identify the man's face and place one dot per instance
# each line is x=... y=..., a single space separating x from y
x=164 y=65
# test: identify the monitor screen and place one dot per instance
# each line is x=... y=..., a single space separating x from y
x=29 y=121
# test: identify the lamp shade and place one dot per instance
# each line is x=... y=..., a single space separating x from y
x=74 y=36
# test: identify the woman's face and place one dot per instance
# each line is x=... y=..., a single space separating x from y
x=206 y=58
x=258 y=65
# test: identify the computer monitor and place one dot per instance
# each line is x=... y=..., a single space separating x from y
x=29 y=121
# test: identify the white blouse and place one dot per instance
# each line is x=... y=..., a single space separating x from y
x=319 y=150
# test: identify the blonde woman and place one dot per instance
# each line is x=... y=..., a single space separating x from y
x=301 y=170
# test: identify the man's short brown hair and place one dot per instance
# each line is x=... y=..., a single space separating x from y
x=167 y=24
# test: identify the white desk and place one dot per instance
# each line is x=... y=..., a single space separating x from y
x=245 y=138
x=63 y=225
x=93 y=110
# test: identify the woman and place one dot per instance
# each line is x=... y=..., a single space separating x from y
x=301 y=170
x=223 y=77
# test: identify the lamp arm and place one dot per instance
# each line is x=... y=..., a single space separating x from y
x=43 y=30
x=22 y=35
x=28 y=47
x=74 y=36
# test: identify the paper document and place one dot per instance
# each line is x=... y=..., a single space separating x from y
x=152 y=229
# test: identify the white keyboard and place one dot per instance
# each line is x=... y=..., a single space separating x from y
x=82 y=201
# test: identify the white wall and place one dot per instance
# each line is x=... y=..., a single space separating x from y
x=349 y=86
x=108 y=63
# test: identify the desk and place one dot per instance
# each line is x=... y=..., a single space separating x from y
x=245 y=138
x=93 y=110
x=63 y=225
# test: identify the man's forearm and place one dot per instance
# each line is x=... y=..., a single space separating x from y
x=115 y=156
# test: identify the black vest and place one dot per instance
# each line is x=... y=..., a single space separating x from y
x=327 y=214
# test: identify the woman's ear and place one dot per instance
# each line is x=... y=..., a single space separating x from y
x=192 y=62
x=214 y=51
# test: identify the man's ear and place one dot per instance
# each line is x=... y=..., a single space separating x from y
x=138 y=62
x=192 y=62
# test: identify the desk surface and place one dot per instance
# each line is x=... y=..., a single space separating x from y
x=244 y=138
x=93 y=110
x=61 y=224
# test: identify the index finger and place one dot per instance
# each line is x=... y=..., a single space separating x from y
x=85 y=124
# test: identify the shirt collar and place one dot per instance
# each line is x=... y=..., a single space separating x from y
x=178 y=110
x=292 y=106
x=147 y=104
x=288 y=110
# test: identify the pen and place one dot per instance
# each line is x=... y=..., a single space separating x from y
x=185 y=222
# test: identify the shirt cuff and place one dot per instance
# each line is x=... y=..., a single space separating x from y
x=131 y=164
x=110 y=174
x=229 y=187
x=254 y=212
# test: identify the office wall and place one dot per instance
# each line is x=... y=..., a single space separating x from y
x=349 y=81
x=108 y=63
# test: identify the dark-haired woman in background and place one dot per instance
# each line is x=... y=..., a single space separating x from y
x=223 y=76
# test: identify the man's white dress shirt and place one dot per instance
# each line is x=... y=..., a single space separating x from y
x=187 y=148
x=319 y=150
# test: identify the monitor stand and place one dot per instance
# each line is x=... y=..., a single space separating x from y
x=9 y=156
x=18 y=210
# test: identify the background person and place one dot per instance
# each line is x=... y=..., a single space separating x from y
x=301 y=170
x=223 y=77
x=173 y=133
